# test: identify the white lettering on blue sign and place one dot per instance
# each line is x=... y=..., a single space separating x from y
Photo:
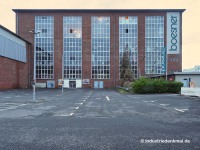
x=173 y=31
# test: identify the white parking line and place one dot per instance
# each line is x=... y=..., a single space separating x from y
x=71 y=114
x=107 y=98
x=7 y=97
x=18 y=96
x=13 y=107
x=164 y=104
x=79 y=103
x=77 y=107
x=181 y=110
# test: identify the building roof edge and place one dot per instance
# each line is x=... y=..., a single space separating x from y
x=6 y=29
x=98 y=10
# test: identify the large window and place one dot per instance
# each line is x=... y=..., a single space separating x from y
x=128 y=38
x=100 y=47
x=44 y=47
x=72 y=36
x=154 y=44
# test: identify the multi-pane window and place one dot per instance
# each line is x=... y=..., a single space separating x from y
x=100 y=47
x=154 y=44
x=44 y=47
x=72 y=37
x=128 y=40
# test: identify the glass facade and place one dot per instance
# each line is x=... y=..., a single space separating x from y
x=72 y=38
x=154 y=44
x=44 y=47
x=100 y=47
x=128 y=38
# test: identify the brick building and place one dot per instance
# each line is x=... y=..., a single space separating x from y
x=14 y=65
x=85 y=47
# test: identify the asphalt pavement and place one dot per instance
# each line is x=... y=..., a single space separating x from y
x=97 y=120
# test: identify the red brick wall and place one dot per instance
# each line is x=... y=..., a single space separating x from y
x=26 y=22
x=14 y=74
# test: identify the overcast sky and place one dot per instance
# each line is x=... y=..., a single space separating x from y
x=191 y=17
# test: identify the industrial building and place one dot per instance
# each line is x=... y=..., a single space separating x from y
x=14 y=63
x=85 y=46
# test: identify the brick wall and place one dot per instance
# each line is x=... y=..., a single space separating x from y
x=14 y=74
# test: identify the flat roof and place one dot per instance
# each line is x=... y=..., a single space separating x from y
x=187 y=73
x=177 y=73
x=4 y=28
x=99 y=10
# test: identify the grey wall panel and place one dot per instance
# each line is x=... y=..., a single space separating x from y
x=12 y=49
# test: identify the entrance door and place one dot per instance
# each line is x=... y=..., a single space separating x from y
x=101 y=84
x=72 y=84
x=185 y=83
x=96 y=84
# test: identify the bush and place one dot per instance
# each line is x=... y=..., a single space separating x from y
x=145 y=85
x=160 y=85
x=139 y=85
x=174 y=87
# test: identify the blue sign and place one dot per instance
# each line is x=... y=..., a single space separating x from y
x=50 y=84
x=163 y=60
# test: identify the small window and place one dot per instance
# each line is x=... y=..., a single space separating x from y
x=72 y=58
x=44 y=30
x=126 y=31
x=72 y=30
x=44 y=17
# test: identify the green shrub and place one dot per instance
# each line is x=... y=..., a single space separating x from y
x=139 y=85
x=145 y=85
x=174 y=87
x=160 y=85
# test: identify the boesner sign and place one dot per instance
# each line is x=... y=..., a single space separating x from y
x=173 y=32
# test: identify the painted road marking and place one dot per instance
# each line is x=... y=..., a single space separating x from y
x=77 y=107
x=13 y=107
x=107 y=98
x=79 y=103
x=7 y=97
x=181 y=110
x=18 y=96
x=164 y=104
x=71 y=114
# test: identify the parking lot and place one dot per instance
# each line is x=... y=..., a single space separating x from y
x=97 y=119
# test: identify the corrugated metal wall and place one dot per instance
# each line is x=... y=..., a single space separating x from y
x=12 y=47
